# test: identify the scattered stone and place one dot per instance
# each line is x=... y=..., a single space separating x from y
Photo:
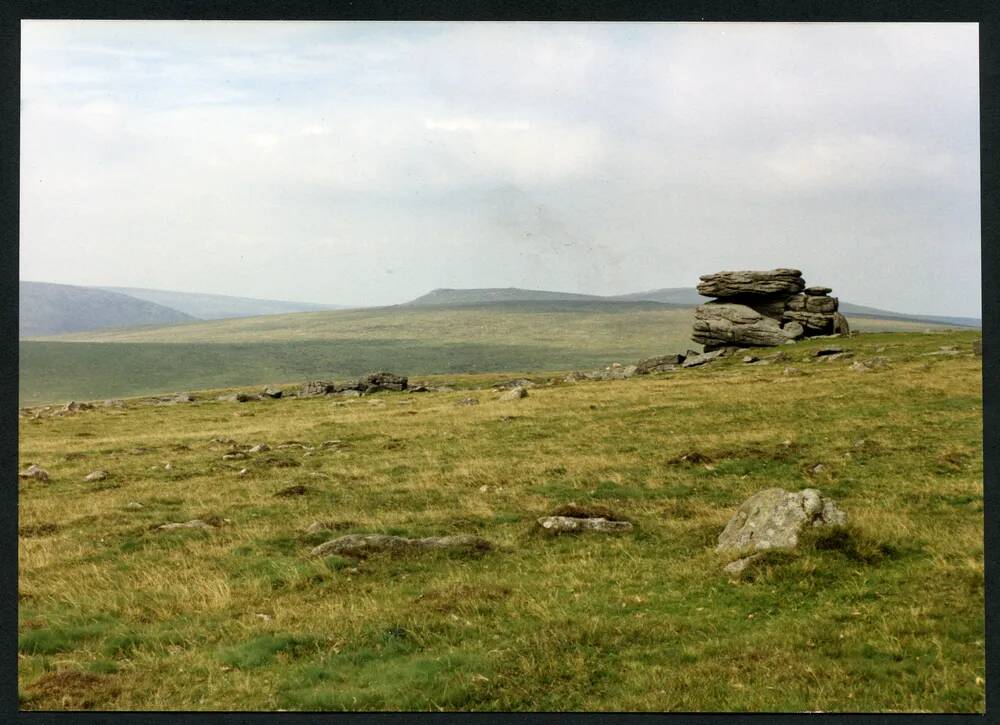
x=270 y=392
x=98 y=475
x=240 y=397
x=511 y=384
x=700 y=359
x=242 y=472
x=875 y=363
x=167 y=466
x=774 y=518
x=468 y=401
x=315 y=387
x=260 y=448
x=361 y=545
x=114 y=403
x=567 y=524
x=35 y=472
x=750 y=359
x=574 y=377
x=192 y=524
x=183 y=398
x=133 y=506
x=234 y=456
x=737 y=567
x=664 y=363
x=514 y=394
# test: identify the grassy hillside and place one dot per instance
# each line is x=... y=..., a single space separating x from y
x=50 y=309
x=218 y=307
x=409 y=340
x=888 y=617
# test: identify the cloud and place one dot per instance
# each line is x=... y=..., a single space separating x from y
x=610 y=157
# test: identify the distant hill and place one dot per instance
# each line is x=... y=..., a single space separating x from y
x=676 y=296
x=218 y=307
x=445 y=296
x=51 y=309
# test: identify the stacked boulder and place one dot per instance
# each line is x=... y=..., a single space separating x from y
x=762 y=309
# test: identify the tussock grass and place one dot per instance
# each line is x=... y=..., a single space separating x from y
x=886 y=615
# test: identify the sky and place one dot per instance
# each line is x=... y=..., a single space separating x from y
x=365 y=163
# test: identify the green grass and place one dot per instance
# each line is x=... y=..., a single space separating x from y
x=521 y=336
x=887 y=615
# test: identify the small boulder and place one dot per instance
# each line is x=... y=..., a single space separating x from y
x=570 y=524
x=664 y=363
x=747 y=359
x=381 y=381
x=270 y=392
x=35 y=472
x=468 y=401
x=774 y=518
x=98 y=475
x=696 y=359
x=133 y=506
x=514 y=394
x=192 y=524
x=361 y=545
x=875 y=363
x=260 y=448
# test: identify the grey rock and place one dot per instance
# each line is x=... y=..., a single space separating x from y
x=510 y=384
x=721 y=323
x=192 y=524
x=574 y=377
x=875 y=363
x=570 y=524
x=260 y=448
x=695 y=360
x=240 y=397
x=35 y=472
x=361 y=545
x=818 y=291
x=234 y=456
x=840 y=325
x=314 y=388
x=821 y=304
x=769 y=283
x=664 y=363
x=813 y=323
x=270 y=392
x=739 y=565
x=750 y=359
x=182 y=398
x=468 y=401
x=774 y=518
x=382 y=381
x=98 y=475
x=828 y=350
x=133 y=506
x=514 y=394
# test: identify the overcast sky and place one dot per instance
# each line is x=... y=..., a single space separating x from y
x=367 y=163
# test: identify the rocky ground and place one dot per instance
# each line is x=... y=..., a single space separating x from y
x=755 y=531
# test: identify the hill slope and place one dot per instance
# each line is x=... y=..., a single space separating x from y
x=490 y=337
x=218 y=307
x=49 y=309
x=676 y=296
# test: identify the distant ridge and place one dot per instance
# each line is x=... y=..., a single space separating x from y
x=50 y=309
x=218 y=307
x=675 y=296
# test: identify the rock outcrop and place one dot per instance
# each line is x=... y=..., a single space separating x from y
x=763 y=309
x=774 y=518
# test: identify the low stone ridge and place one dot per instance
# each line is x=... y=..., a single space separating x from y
x=361 y=545
x=763 y=309
x=371 y=383
x=34 y=471
x=571 y=524
x=774 y=518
